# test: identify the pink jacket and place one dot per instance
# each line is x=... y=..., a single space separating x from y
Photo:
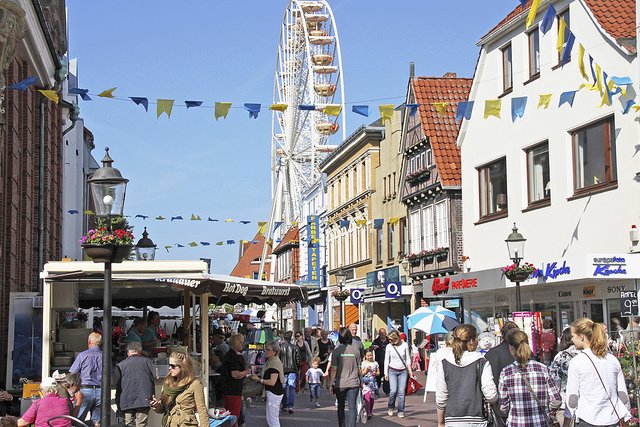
x=44 y=409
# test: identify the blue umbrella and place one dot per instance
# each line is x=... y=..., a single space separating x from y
x=432 y=320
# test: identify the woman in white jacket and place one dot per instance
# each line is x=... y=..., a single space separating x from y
x=459 y=378
x=397 y=364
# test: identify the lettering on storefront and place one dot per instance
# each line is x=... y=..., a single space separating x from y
x=235 y=288
x=616 y=289
x=609 y=266
x=564 y=294
x=552 y=270
x=465 y=283
x=440 y=287
x=275 y=291
x=589 y=291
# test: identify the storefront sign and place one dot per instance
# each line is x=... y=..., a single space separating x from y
x=440 y=286
x=452 y=303
x=357 y=296
x=313 y=250
x=471 y=282
x=609 y=266
x=616 y=289
x=629 y=303
x=564 y=294
x=392 y=290
x=551 y=271
x=589 y=291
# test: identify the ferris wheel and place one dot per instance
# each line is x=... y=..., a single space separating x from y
x=309 y=80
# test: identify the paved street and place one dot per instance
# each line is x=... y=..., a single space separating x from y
x=417 y=413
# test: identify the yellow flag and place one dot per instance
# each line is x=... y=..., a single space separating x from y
x=393 y=220
x=606 y=100
x=294 y=223
x=164 y=106
x=262 y=227
x=222 y=109
x=532 y=12
x=195 y=217
x=596 y=180
x=544 y=101
x=581 y=62
x=361 y=221
x=193 y=244
x=560 y=42
x=333 y=109
x=599 y=84
x=89 y=212
x=278 y=107
x=492 y=108
x=589 y=86
x=636 y=108
x=440 y=107
x=386 y=111
x=228 y=220
x=50 y=95
x=108 y=93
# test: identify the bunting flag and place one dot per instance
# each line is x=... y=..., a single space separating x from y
x=24 y=84
x=73 y=211
x=164 y=106
x=220 y=243
x=306 y=107
x=606 y=93
x=231 y=242
x=583 y=72
x=523 y=3
x=140 y=100
x=621 y=81
x=276 y=225
x=51 y=95
x=544 y=101
x=344 y=223
x=144 y=217
x=566 y=54
x=628 y=105
x=593 y=73
x=211 y=219
x=278 y=107
x=193 y=244
x=518 y=106
x=245 y=222
x=228 y=220
x=441 y=107
x=195 y=217
x=377 y=223
x=221 y=110
x=547 y=21
x=394 y=220
x=363 y=110
x=107 y=93
x=386 y=111
x=599 y=78
x=168 y=247
x=179 y=245
x=561 y=28
x=88 y=212
x=262 y=227
x=533 y=11
x=333 y=109
x=567 y=97
x=361 y=221
x=84 y=93
x=191 y=104
x=464 y=110
x=253 y=109
x=160 y=218
x=413 y=109
x=492 y=107
x=177 y=218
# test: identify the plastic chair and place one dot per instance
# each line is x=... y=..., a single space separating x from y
x=74 y=421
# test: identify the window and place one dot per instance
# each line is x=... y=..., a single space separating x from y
x=255 y=275
x=379 y=245
x=393 y=190
x=427 y=156
x=391 y=230
x=564 y=16
x=442 y=224
x=427 y=228
x=594 y=154
x=412 y=165
x=403 y=235
x=534 y=53
x=384 y=186
x=493 y=188
x=507 y=69
x=538 y=173
x=414 y=232
x=355 y=181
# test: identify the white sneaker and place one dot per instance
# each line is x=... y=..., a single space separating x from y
x=390 y=412
x=400 y=414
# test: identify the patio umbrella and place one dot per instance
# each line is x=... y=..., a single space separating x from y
x=432 y=320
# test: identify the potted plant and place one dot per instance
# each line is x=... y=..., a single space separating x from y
x=518 y=273
x=108 y=244
x=341 y=295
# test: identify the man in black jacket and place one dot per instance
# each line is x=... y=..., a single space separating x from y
x=135 y=385
x=290 y=362
x=499 y=357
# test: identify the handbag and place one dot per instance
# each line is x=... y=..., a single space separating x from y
x=552 y=421
x=487 y=410
x=620 y=421
x=413 y=384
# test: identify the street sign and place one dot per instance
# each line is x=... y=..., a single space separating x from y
x=629 y=303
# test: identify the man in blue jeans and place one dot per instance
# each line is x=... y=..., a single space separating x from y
x=346 y=359
x=290 y=363
x=88 y=365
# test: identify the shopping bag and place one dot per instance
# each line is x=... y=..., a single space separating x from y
x=413 y=385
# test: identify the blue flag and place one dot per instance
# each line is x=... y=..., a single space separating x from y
x=303 y=107
x=567 y=97
x=276 y=225
x=628 y=106
x=212 y=220
x=464 y=110
x=377 y=223
x=413 y=108
x=190 y=104
x=517 y=107
x=82 y=92
x=24 y=84
x=175 y=217
x=141 y=100
x=523 y=3
x=205 y=243
x=231 y=242
x=73 y=211
x=179 y=245
x=593 y=73
x=363 y=110
x=566 y=54
x=344 y=223
x=144 y=217
x=253 y=109
x=547 y=21
x=621 y=81
x=245 y=222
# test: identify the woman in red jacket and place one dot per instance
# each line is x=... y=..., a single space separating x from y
x=549 y=342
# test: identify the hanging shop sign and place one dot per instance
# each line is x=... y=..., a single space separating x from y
x=357 y=296
x=440 y=285
x=393 y=290
x=629 y=303
x=609 y=266
x=313 y=249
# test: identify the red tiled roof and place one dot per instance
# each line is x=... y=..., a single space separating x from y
x=291 y=236
x=244 y=267
x=442 y=131
x=616 y=17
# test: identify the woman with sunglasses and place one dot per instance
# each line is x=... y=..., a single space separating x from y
x=182 y=394
x=272 y=378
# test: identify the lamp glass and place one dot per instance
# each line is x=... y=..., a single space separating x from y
x=515 y=244
x=145 y=254
x=108 y=197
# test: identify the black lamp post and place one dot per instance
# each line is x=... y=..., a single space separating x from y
x=108 y=189
x=341 y=276
x=145 y=248
x=515 y=246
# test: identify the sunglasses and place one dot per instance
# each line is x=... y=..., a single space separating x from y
x=172 y=366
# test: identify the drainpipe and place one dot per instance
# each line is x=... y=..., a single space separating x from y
x=74 y=113
x=41 y=193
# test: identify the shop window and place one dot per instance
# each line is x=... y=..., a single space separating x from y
x=493 y=188
x=534 y=53
x=564 y=16
x=538 y=173
x=507 y=68
x=594 y=155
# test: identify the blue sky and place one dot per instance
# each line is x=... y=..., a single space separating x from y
x=225 y=50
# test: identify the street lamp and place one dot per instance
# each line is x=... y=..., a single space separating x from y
x=515 y=246
x=108 y=189
x=145 y=248
x=341 y=276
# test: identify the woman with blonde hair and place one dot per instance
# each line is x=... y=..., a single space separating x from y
x=528 y=393
x=596 y=392
x=397 y=365
x=272 y=378
x=466 y=376
x=182 y=394
x=51 y=405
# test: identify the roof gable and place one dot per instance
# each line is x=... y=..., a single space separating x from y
x=442 y=130
x=244 y=267
x=289 y=238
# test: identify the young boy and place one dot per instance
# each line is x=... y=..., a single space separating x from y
x=314 y=378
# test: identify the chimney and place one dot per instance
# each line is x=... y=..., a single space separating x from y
x=412 y=69
x=450 y=75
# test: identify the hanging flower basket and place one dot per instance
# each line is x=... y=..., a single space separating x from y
x=107 y=253
x=341 y=295
x=518 y=273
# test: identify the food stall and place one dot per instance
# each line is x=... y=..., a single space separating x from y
x=79 y=284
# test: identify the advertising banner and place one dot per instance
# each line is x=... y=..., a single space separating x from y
x=313 y=251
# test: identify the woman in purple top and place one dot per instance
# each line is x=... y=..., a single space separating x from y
x=50 y=406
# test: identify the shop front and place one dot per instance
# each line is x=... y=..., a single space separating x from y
x=386 y=301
